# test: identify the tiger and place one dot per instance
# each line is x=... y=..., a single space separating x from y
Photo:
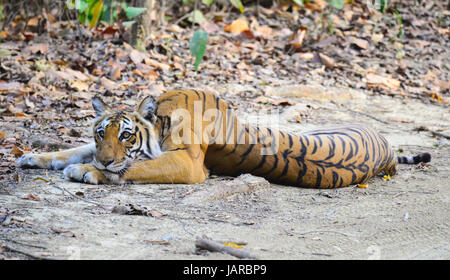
x=162 y=141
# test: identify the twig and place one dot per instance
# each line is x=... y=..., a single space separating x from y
x=367 y=115
x=53 y=184
x=326 y=231
x=440 y=134
x=21 y=243
x=31 y=255
x=213 y=246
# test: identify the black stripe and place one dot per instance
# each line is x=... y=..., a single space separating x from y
x=196 y=93
x=261 y=163
x=148 y=142
x=244 y=155
x=335 y=178
x=291 y=142
x=275 y=165
x=318 y=178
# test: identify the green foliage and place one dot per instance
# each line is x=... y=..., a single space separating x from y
x=207 y=2
x=401 y=32
x=196 y=17
x=338 y=4
x=235 y=3
x=90 y=12
x=298 y=2
x=132 y=12
x=238 y=4
x=381 y=4
x=198 y=46
x=2 y=16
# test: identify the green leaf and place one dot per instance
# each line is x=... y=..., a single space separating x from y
x=128 y=23
x=207 y=2
x=381 y=4
x=338 y=4
x=96 y=11
x=81 y=5
x=299 y=2
x=196 y=17
x=109 y=14
x=132 y=12
x=238 y=4
x=197 y=46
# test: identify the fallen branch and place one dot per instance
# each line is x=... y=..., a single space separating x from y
x=368 y=115
x=21 y=243
x=440 y=134
x=213 y=246
x=31 y=255
x=51 y=183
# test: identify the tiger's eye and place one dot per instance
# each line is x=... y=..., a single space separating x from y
x=101 y=133
x=126 y=135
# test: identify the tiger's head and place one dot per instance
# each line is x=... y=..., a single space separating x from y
x=122 y=137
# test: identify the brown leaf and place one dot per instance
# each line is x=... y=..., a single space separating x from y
x=35 y=48
x=157 y=64
x=377 y=81
x=10 y=86
x=316 y=6
x=209 y=26
x=264 y=31
x=137 y=56
x=115 y=72
x=79 y=86
x=297 y=40
x=82 y=104
x=16 y=151
x=108 y=84
x=31 y=197
x=361 y=43
x=237 y=26
x=175 y=28
x=326 y=60
x=156 y=214
x=2 y=136
x=157 y=242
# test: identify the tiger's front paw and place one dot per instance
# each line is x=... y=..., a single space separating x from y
x=37 y=161
x=86 y=173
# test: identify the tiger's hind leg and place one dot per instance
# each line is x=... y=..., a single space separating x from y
x=58 y=160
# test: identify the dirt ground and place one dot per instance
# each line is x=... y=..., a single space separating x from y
x=404 y=218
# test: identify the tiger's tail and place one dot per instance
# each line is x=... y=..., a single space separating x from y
x=424 y=157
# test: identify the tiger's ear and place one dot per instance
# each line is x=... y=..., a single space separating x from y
x=147 y=108
x=100 y=107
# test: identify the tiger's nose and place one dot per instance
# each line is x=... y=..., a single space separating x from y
x=106 y=162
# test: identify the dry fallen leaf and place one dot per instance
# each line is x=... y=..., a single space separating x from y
x=377 y=81
x=137 y=56
x=16 y=151
x=237 y=26
x=154 y=63
x=361 y=43
x=79 y=86
x=115 y=72
x=31 y=197
x=326 y=60
x=297 y=40
x=264 y=31
x=108 y=84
